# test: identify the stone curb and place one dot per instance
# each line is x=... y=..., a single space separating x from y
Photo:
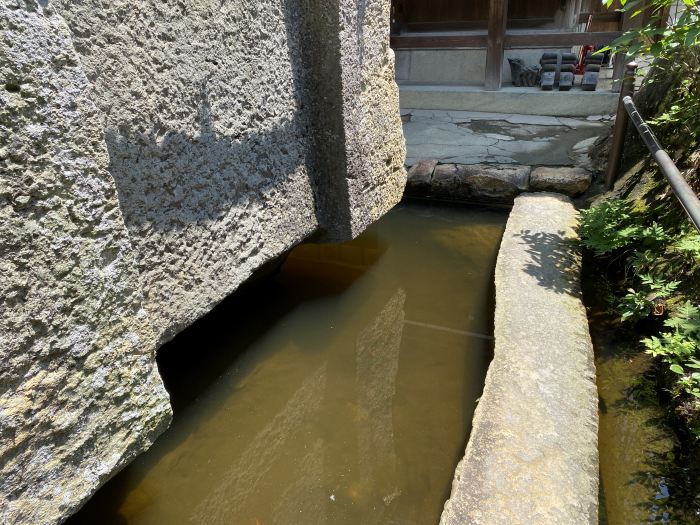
x=492 y=183
x=532 y=456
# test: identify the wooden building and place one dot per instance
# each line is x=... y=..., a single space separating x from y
x=468 y=41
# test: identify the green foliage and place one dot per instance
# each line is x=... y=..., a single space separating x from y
x=675 y=46
x=679 y=348
x=656 y=38
x=636 y=305
x=613 y=225
x=649 y=244
x=688 y=245
x=651 y=255
x=609 y=226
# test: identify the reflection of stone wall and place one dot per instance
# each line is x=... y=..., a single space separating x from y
x=378 y=348
x=153 y=155
x=244 y=480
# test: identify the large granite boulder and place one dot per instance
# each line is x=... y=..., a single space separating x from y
x=153 y=156
x=80 y=394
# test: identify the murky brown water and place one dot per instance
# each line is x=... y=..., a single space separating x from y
x=636 y=446
x=341 y=390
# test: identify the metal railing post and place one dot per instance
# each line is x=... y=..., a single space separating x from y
x=621 y=120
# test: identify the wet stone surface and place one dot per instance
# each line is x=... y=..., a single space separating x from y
x=464 y=137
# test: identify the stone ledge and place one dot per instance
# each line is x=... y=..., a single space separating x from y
x=495 y=183
x=531 y=101
x=566 y=180
x=532 y=456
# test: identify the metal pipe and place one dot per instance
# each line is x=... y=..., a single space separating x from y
x=618 y=139
x=685 y=194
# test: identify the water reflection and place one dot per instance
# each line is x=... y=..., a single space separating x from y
x=269 y=457
x=339 y=391
x=378 y=348
x=640 y=480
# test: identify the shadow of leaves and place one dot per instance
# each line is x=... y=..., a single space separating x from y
x=553 y=260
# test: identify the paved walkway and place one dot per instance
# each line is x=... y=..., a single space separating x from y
x=464 y=137
x=532 y=456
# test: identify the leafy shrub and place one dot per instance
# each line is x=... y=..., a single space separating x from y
x=609 y=227
x=652 y=256
x=679 y=348
x=636 y=305
x=674 y=46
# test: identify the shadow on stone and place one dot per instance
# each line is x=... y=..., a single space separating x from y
x=167 y=180
x=553 y=261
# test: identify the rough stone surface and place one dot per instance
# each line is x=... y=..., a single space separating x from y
x=532 y=456
x=485 y=182
x=80 y=394
x=219 y=116
x=419 y=178
x=154 y=154
x=569 y=181
x=469 y=137
x=497 y=183
x=450 y=183
x=581 y=153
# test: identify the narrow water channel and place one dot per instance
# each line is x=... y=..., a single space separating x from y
x=340 y=390
x=635 y=444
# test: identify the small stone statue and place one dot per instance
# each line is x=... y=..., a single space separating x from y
x=521 y=74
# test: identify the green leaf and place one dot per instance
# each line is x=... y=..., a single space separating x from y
x=678 y=369
x=691 y=36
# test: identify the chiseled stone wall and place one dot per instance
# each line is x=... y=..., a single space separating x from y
x=152 y=156
x=237 y=129
x=80 y=394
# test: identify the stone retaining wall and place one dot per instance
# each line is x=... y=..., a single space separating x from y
x=496 y=183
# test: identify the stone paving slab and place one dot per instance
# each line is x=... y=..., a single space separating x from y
x=532 y=456
x=464 y=137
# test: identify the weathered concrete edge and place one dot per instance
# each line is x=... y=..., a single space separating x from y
x=532 y=456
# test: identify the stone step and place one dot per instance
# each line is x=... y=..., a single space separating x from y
x=532 y=456
x=499 y=183
x=532 y=101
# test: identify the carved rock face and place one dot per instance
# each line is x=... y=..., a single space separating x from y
x=80 y=394
x=566 y=180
